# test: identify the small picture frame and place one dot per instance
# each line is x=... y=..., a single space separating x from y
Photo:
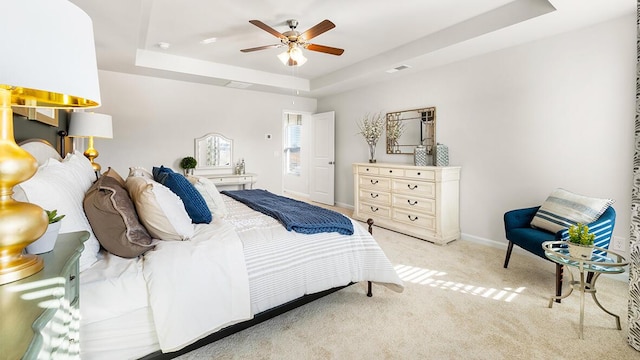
x=44 y=115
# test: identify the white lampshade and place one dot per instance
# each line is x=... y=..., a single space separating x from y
x=48 y=54
x=86 y=124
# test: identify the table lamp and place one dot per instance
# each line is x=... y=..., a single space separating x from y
x=47 y=60
x=91 y=125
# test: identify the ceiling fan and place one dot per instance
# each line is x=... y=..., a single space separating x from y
x=295 y=41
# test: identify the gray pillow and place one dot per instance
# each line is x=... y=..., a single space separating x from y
x=114 y=219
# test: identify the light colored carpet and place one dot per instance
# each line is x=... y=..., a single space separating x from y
x=459 y=303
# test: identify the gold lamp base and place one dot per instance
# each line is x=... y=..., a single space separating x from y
x=25 y=265
x=91 y=153
x=20 y=223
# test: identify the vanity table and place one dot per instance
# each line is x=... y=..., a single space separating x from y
x=214 y=156
x=233 y=180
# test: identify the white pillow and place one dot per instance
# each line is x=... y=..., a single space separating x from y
x=160 y=210
x=81 y=167
x=211 y=195
x=56 y=185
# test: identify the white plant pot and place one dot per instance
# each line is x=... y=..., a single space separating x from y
x=580 y=251
x=47 y=241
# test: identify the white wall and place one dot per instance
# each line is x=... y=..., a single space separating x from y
x=558 y=112
x=155 y=122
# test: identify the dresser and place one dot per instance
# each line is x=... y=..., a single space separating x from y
x=420 y=201
x=40 y=315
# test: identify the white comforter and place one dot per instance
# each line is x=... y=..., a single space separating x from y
x=233 y=268
x=197 y=287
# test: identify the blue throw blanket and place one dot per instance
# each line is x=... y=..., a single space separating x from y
x=294 y=215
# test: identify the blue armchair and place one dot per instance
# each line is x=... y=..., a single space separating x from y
x=519 y=232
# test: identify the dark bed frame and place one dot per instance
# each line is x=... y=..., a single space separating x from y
x=257 y=319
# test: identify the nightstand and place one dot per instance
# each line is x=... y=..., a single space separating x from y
x=40 y=314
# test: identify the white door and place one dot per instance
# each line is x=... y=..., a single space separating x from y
x=322 y=137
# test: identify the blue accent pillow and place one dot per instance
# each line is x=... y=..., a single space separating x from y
x=193 y=201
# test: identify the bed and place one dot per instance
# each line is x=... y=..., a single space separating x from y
x=180 y=289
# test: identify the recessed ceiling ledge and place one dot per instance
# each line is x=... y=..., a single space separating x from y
x=180 y=64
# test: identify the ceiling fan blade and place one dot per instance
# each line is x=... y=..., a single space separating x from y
x=325 y=49
x=320 y=28
x=261 y=48
x=268 y=29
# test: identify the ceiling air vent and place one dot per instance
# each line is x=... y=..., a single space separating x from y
x=398 y=68
x=238 y=85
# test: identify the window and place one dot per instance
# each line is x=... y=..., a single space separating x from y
x=293 y=131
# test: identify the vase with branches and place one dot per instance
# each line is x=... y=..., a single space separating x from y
x=371 y=127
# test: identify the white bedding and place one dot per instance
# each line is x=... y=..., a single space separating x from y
x=198 y=286
x=281 y=266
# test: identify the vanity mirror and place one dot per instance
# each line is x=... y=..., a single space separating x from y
x=409 y=128
x=213 y=151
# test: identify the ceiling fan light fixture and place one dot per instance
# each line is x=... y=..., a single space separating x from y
x=293 y=57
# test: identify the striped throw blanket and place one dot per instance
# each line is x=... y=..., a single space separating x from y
x=294 y=215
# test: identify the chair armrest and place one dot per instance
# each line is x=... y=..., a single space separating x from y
x=519 y=218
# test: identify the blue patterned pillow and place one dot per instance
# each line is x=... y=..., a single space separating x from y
x=193 y=201
x=564 y=208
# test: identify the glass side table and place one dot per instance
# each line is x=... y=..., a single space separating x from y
x=611 y=263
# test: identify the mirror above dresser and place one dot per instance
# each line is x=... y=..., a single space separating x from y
x=407 y=129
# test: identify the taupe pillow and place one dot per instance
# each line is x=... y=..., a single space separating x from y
x=114 y=219
x=114 y=174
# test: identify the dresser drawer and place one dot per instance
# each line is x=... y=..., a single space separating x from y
x=374 y=210
x=377 y=197
x=368 y=170
x=420 y=174
x=375 y=183
x=415 y=219
x=391 y=172
x=414 y=188
x=413 y=203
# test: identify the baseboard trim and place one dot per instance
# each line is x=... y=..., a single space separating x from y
x=624 y=277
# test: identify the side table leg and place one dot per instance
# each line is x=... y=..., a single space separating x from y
x=592 y=290
x=582 y=290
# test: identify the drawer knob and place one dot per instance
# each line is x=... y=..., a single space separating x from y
x=412 y=203
x=374 y=209
x=412 y=188
x=374 y=182
x=414 y=218
x=418 y=173
x=390 y=171
x=373 y=195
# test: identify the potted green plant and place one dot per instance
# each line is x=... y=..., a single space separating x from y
x=580 y=241
x=188 y=163
x=47 y=241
